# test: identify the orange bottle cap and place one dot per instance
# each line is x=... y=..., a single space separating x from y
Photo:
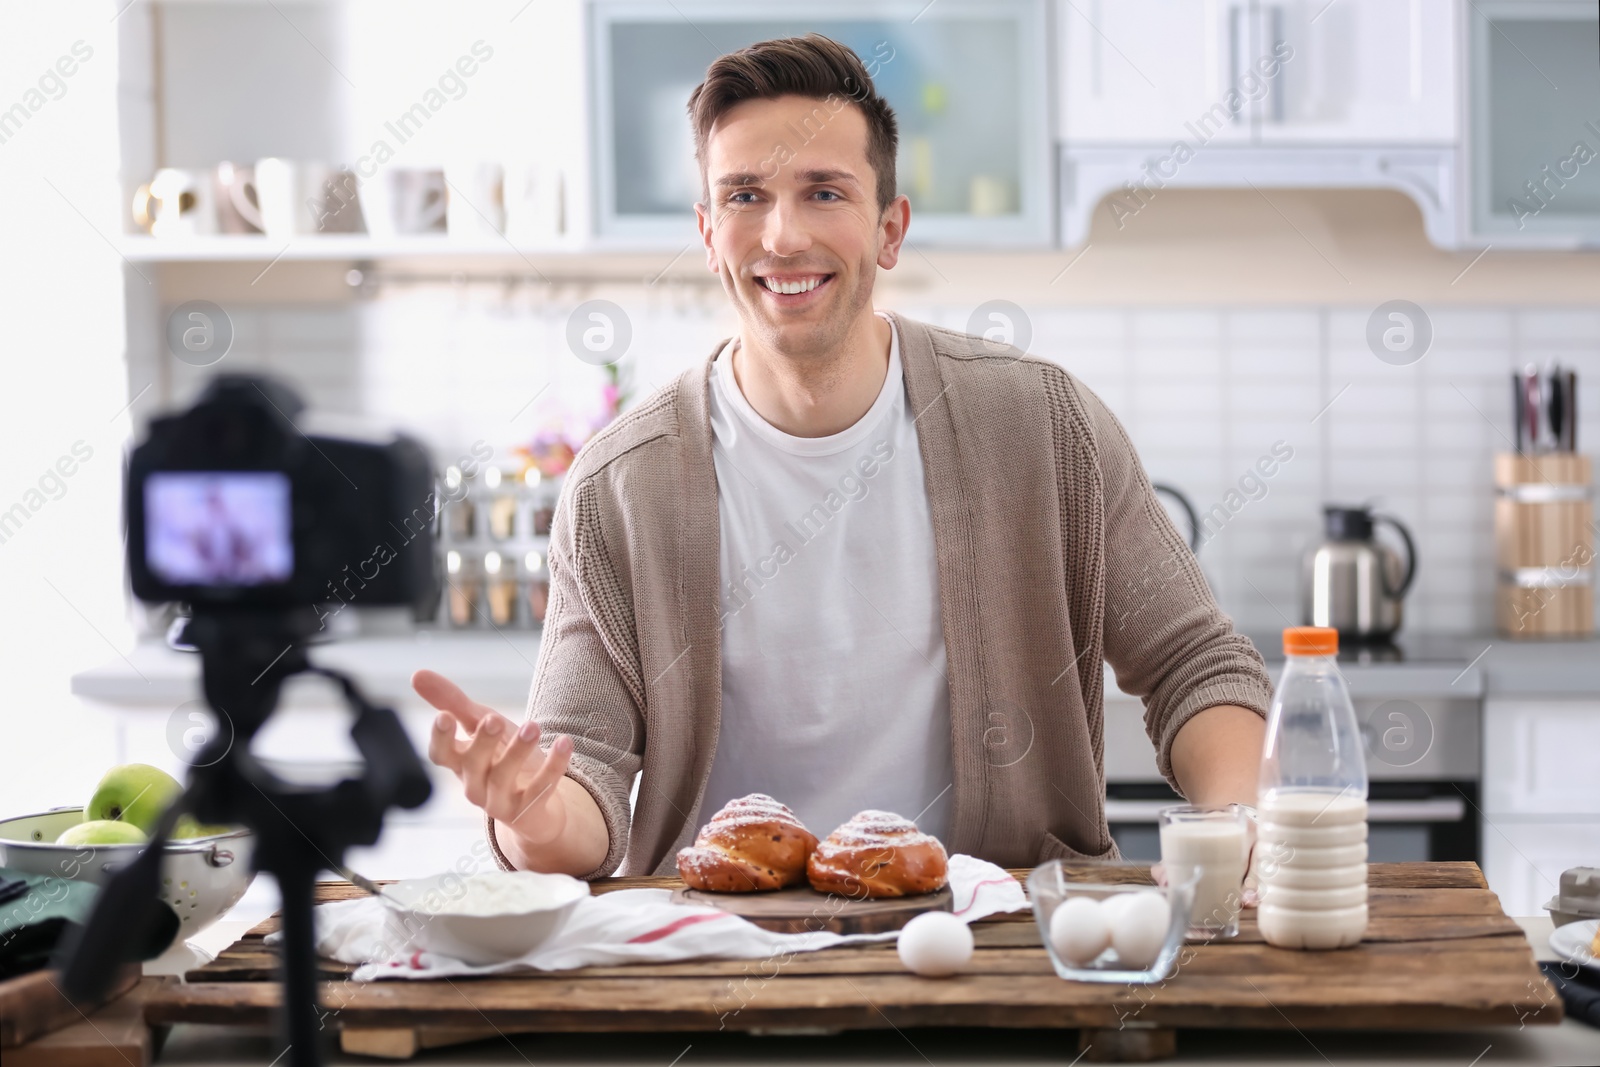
x=1310 y=641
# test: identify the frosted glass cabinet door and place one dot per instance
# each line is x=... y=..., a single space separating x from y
x=967 y=80
x=1535 y=126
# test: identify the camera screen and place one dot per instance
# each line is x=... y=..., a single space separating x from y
x=218 y=527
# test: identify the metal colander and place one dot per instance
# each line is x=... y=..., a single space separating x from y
x=201 y=878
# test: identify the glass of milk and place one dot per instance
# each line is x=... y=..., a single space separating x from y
x=1215 y=842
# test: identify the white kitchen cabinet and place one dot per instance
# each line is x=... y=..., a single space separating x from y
x=1523 y=860
x=1303 y=94
x=1359 y=72
x=1375 y=72
x=1139 y=71
x=1539 y=758
x=1541 y=796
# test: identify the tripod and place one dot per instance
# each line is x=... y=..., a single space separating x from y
x=245 y=657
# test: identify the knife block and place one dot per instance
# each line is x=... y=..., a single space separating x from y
x=1544 y=545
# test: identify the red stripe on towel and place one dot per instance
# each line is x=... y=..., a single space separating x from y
x=980 y=885
x=672 y=928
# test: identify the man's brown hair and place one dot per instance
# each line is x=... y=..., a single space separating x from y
x=812 y=66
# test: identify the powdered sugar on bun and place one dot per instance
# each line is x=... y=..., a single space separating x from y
x=754 y=843
x=754 y=808
x=717 y=872
x=872 y=827
x=696 y=859
x=878 y=854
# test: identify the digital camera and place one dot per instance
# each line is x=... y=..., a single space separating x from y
x=230 y=505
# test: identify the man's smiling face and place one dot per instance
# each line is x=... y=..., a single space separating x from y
x=794 y=229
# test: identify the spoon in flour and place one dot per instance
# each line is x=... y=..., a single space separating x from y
x=361 y=881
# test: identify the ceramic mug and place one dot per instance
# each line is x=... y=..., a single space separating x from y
x=400 y=201
x=237 y=199
x=307 y=198
x=535 y=203
x=176 y=203
x=476 y=203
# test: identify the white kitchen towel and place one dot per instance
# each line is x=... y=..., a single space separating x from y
x=623 y=926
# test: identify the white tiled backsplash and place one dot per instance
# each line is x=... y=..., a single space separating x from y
x=1204 y=393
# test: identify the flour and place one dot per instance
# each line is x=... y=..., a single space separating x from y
x=489 y=893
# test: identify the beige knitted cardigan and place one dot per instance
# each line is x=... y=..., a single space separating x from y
x=1053 y=554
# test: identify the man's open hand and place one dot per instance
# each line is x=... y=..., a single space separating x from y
x=502 y=768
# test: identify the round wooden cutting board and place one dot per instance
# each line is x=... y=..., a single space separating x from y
x=803 y=910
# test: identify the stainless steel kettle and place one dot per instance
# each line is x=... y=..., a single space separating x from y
x=1352 y=582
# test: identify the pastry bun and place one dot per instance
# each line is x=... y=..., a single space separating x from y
x=878 y=854
x=753 y=843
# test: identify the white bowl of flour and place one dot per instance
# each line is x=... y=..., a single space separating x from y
x=484 y=918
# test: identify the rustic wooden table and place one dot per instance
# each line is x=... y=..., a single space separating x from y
x=1439 y=954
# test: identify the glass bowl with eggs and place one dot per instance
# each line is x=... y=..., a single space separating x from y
x=1108 y=920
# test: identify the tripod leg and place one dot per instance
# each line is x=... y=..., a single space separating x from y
x=299 y=1024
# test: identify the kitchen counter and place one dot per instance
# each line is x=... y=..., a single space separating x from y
x=497 y=667
x=1543 y=668
x=494 y=667
x=1568 y=1042
x=1448 y=665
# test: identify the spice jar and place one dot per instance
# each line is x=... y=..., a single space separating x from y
x=502 y=506
x=501 y=583
x=544 y=510
x=466 y=590
x=460 y=510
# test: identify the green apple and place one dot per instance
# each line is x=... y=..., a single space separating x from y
x=134 y=793
x=187 y=828
x=102 y=832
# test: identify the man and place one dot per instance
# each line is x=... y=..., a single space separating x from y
x=852 y=560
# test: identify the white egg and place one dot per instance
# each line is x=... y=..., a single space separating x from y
x=1078 y=930
x=935 y=944
x=1111 y=907
x=1141 y=928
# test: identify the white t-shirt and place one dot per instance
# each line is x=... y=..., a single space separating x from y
x=834 y=697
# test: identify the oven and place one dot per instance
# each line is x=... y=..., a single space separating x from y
x=1423 y=763
x=1405 y=820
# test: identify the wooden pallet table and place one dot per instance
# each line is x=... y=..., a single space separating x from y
x=114 y=1034
x=1439 y=954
